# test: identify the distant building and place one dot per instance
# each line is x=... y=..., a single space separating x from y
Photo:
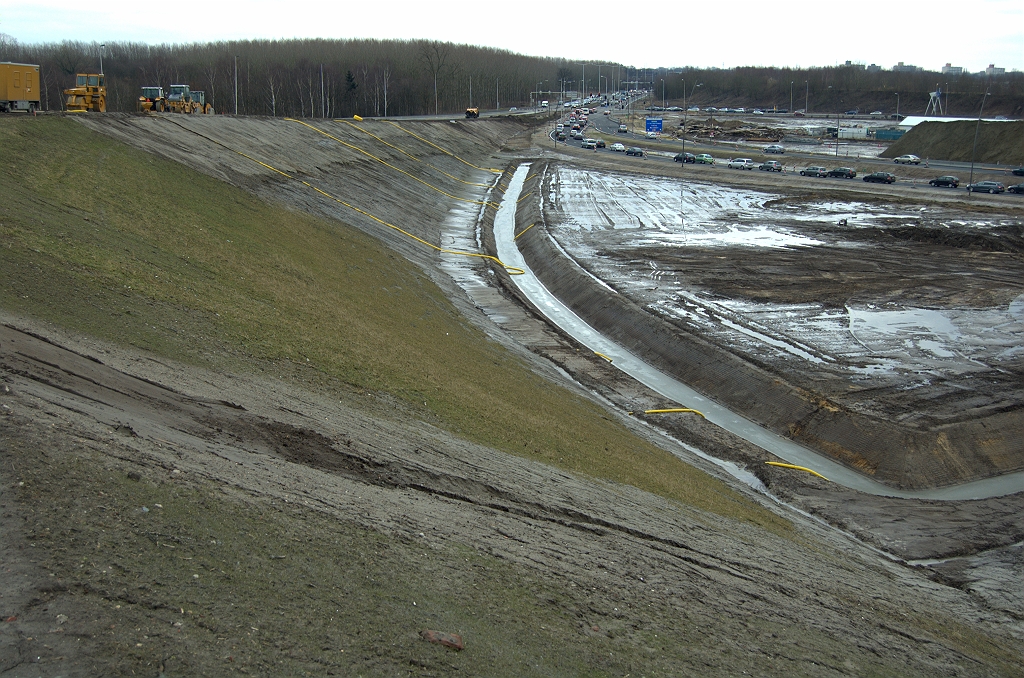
x=992 y=70
x=952 y=70
x=850 y=64
x=874 y=68
x=906 y=68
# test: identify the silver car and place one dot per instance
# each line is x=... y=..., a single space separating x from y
x=742 y=163
x=908 y=159
x=774 y=148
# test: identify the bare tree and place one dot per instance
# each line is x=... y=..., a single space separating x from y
x=435 y=55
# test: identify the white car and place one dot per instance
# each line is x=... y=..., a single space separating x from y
x=590 y=143
x=908 y=159
x=693 y=109
x=650 y=135
x=742 y=163
x=623 y=128
x=617 y=147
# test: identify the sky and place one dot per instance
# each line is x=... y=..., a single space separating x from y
x=795 y=33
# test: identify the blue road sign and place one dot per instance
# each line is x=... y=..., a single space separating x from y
x=654 y=124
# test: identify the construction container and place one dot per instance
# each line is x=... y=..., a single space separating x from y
x=888 y=134
x=19 y=87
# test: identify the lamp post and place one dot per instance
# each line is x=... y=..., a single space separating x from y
x=898 y=106
x=103 y=48
x=695 y=86
x=790 y=97
x=236 y=84
x=807 y=93
x=975 y=148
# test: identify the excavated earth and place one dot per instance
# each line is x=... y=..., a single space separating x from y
x=868 y=586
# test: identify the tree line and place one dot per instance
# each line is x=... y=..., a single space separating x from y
x=312 y=78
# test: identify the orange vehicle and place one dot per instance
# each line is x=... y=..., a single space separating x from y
x=88 y=94
x=19 y=87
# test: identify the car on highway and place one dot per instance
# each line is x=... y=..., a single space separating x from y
x=685 y=157
x=623 y=129
x=853 y=111
x=986 y=187
x=705 y=159
x=590 y=143
x=758 y=111
x=635 y=150
x=908 y=159
x=650 y=135
x=578 y=135
x=843 y=172
x=773 y=148
x=876 y=113
x=693 y=109
x=561 y=136
x=880 y=178
x=710 y=109
x=950 y=181
x=1017 y=171
x=770 y=166
x=742 y=163
x=1016 y=188
x=600 y=143
x=617 y=147
x=814 y=171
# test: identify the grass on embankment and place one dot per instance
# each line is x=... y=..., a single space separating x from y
x=107 y=240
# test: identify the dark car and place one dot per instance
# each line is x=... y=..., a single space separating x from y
x=1018 y=188
x=1017 y=171
x=843 y=172
x=881 y=178
x=561 y=136
x=949 y=181
x=600 y=143
x=635 y=150
x=986 y=187
x=685 y=157
x=814 y=172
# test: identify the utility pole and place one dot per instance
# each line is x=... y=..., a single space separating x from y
x=236 y=84
x=807 y=93
x=790 y=97
x=103 y=48
x=496 y=104
x=898 y=106
x=975 y=148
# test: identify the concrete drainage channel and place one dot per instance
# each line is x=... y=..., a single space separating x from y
x=565 y=318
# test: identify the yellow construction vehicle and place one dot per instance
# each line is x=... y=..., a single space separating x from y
x=199 y=102
x=472 y=112
x=88 y=94
x=19 y=87
x=152 y=99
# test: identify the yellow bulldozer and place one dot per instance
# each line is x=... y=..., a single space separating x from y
x=88 y=94
x=473 y=112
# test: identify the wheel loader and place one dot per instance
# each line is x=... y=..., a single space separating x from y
x=152 y=99
x=88 y=95
x=473 y=112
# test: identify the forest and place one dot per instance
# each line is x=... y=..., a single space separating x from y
x=338 y=78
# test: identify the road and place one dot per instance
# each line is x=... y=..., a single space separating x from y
x=664 y=151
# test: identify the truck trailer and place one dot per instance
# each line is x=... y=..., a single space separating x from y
x=19 y=87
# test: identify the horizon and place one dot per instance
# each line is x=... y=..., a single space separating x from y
x=567 y=38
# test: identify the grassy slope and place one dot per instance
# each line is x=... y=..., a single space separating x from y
x=110 y=241
x=1001 y=142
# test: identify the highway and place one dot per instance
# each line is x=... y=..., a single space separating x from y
x=663 y=151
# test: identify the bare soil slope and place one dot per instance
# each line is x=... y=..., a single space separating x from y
x=164 y=518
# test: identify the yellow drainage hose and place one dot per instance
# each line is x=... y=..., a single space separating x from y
x=675 y=409
x=512 y=270
x=412 y=134
x=492 y=205
x=413 y=157
x=797 y=468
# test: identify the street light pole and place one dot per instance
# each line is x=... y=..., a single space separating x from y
x=103 y=48
x=807 y=94
x=975 y=148
x=663 y=102
x=236 y=84
x=791 y=97
x=898 y=106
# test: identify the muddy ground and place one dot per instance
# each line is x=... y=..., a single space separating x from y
x=143 y=499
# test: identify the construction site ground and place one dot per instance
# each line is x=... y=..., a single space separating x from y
x=165 y=518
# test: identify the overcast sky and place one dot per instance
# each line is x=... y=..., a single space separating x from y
x=926 y=33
